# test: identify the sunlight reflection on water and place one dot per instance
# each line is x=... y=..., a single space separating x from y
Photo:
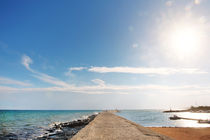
x=192 y=123
x=156 y=118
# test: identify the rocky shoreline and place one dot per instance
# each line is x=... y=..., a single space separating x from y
x=59 y=131
x=66 y=130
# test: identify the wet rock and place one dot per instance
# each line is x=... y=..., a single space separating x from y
x=66 y=130
x=50 y=135
x=10 y=136
x=51 y=130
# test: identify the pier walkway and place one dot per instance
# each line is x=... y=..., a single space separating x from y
x=108 y=126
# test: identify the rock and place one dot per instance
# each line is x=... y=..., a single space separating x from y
x=11 y=136
x=66 y=130
x=51 y=130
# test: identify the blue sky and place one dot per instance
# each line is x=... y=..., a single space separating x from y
x=104 y=54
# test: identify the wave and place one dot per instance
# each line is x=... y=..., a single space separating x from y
x=37 y=125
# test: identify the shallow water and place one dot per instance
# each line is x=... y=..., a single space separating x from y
x=156 y=118
x=28 y=124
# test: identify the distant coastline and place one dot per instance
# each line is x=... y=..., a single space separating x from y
x=199 y=109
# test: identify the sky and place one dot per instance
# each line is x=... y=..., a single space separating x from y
x=104 y=54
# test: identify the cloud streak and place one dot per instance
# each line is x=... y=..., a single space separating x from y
x=112 y=89
x=76 y=68
x=98 y=82
x=26 y=61
x=101 y=87
x=146 y=70
x=8 y=81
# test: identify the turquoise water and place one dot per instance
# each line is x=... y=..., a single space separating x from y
x=30 y=124
x=156 y=118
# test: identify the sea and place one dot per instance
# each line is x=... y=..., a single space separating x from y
x=30 y=124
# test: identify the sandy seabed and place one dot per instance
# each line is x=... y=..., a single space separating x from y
x=179 y=133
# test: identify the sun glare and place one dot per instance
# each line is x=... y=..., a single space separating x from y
x=185 y=40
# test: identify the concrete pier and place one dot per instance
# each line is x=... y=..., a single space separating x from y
x=108 y=126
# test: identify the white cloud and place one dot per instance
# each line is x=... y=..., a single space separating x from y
x=69 y=72
x=98 y=82
x=77 y=68
x=8 y=81
x=169 y=3
x=26 y=61
x=101 y=87
x=145 y=70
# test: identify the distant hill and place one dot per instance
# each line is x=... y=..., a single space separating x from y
x=200 y=109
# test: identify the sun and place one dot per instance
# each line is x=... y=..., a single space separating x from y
x=184 y=40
